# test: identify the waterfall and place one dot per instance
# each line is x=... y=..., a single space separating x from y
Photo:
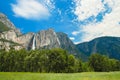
x=33 y=43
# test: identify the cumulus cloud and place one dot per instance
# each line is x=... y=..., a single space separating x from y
x=32 y=9
x=109 y=26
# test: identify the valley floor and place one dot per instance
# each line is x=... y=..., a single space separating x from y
x=60 y=76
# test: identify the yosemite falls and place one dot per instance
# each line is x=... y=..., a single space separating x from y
x=33 y=43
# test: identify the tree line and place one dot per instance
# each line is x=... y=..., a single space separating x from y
x=53 y=61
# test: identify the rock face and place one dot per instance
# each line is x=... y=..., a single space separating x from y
x=25 y=40
x=8 y=39
x=47 y=39
x=66 y=43
x=109 y=46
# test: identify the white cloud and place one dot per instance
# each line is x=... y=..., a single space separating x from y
x=87 y=8
x=32 y=9
x=108 y=27
x=72 y=38
x=75 y=33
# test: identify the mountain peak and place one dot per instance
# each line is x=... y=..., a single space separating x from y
x=6 y=21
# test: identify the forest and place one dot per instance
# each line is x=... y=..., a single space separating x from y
x=54 y=61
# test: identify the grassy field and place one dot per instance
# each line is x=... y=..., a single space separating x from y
x=52 y=76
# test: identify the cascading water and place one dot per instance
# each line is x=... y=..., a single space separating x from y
x=33 y=43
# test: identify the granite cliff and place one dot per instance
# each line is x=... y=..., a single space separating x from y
x=11 y=37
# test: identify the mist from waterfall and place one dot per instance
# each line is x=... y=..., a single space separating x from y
x=33 y=44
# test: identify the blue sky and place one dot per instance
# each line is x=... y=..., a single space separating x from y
x=82 y=20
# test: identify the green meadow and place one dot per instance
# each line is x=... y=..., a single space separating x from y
x=60 y=76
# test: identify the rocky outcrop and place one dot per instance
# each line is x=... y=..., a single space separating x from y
x=7 y=45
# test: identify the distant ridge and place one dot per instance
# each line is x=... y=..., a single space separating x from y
x=109 y=46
